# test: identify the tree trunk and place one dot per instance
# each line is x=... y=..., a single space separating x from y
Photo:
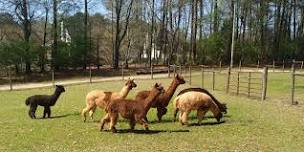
x=85 y=56
x=55 y=37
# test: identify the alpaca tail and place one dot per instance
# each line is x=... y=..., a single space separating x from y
x=175 y=107
x=27 y=102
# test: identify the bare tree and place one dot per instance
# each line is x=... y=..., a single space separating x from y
x=120 y=33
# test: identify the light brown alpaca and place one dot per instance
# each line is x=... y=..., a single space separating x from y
x=162 y=101
x=134 y=110
x=100 y=98
x=193 y=100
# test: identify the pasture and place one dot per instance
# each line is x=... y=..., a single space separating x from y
x=250 y=125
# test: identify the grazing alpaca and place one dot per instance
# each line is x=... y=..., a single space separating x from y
x=194 y=100
x=222 y=106
x=43 y=100
x=99 y=98
x=134 y=110
x=162 y=101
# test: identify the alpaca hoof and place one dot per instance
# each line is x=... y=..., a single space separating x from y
x=113 y=130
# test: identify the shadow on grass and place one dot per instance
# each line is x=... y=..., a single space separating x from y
x=192 y=117
x=207 y=123
x=162 y=121
x=60 y=116
x=123 y=131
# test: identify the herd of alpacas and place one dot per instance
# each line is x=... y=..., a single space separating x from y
x=135 y=110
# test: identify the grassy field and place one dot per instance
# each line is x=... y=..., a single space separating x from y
x=250 y=125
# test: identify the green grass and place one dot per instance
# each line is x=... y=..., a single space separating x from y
x=250 y=125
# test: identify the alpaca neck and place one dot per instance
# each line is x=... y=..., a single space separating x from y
x=124 y=92
x=149 y=100
x=54 y=97
x=169 y=92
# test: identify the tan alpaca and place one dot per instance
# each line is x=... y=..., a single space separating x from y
x=199 y=101
x=133 y=110
x=100 y=98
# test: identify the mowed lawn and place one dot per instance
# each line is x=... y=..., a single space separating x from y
x=250 y=125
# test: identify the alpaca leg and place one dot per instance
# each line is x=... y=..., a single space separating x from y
x=160 y=112
x=85 y=111
x=180 y=117
x=49 y=112
x=32 y=111
x=175 y=114
x=185 y=118
x=144 y=123
x=46 y=111
x=113 y=122
x=200 y=115
x=104 y=120
x=132 y=124
x=92 y=111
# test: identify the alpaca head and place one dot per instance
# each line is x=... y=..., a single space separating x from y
x=179 y=79
x=224 y=108
x=219 y=116
x=60 y=89
x=131 y=83
x=159 y=88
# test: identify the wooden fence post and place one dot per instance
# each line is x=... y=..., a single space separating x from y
x=180 y=69
x=213 y=79
x=169 y=71
x=258 y=65
x=53 y=77
x=228 y=79
x=301 y=65
x=190 y=74
x=264 y=83
x=202 y=77
x=122 y=72
x=249 y=84
x=10 y=79
x=220 y=66
x=240 y=65
x=238 y=83
x=90 y=74
x=174 y=70
x=292 y=83
x=273 y=65
x=151 y=71
x=283 y=66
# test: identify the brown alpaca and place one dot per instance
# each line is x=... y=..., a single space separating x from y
x=162 y=101
x=101 y=99
x=134 y=110
x=194 y=100
x=222 y=106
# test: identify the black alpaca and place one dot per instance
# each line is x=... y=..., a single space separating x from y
x=43 y=100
